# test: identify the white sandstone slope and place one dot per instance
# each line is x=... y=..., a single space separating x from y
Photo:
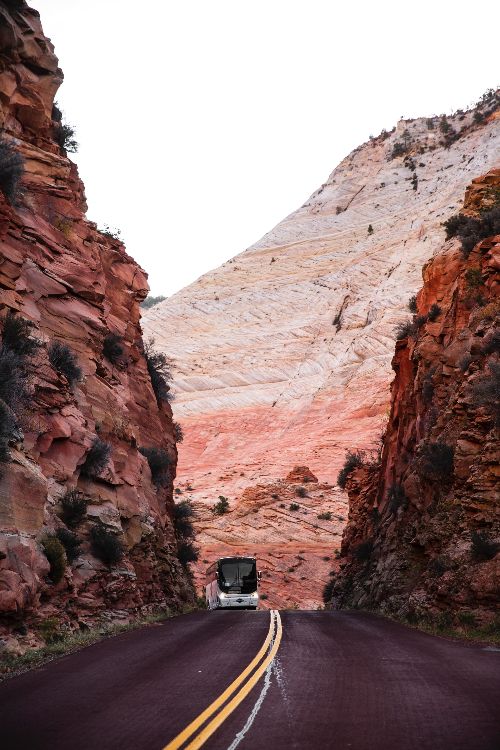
x=283 y=353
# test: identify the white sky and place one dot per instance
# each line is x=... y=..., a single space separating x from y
x=202 y=123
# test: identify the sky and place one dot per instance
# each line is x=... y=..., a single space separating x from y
x=203 y=123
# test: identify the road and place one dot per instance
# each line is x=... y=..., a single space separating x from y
x=340 y=680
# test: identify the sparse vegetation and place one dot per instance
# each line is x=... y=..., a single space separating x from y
x=474 y=278
x=482 y=547
x=56 y=555
x=370 y=229
x=11 y=170
x=178 y=433
x=406 y=329
x=70 y=542
x=436 y=461
x=485 y=392
x=65 y=137
x=73 y=508
x=301 y=492
x=112 y=233
x=183 y=513
x=64 y=361
x=186 y=552
x=294 y=507
x=437 y=567
x=17 y=335
x=151 y=301
x=327 y=516
x=472 y=230
x=106 y=546
x=160 y=372
x=221 y=506
x=353 y=460
x=97 y=459
x=434 y=312
x=412 y=304
x=159 y=465
x=113 y=347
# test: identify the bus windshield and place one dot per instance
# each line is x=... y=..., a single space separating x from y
x=238 y=574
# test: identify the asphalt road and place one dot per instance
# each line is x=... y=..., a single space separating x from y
x=346 y=681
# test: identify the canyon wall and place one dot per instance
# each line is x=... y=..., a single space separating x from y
x=76 y=286
x=423 y=535
x=283 y=353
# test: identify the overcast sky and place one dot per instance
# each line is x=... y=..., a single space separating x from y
x=202 y=123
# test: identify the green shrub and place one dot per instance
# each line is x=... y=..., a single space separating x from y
x=178 y=433
x=113 y=347
x=353 y=460
x=301 y=492
x=436 y=461
x=482 y=547
x=97 y=459
x=221 y=506
x=406 y=329
x=105 y=545
x=73 y=508
x=325 y=516
x=151 y=301
x=434 y=312
x=17 y=335
x=412 y=304
x=467 y=619
x=474 y=278
x=294 y=507
x=263 y=597
x=186 y=553
x=70 y=542
x=64 y=361
x=370 y=229
x=110 y=233
x=11 y=170
x=49 y=629
x=472 y=230
x=66 y=137
x=56 y=555
x=183 y=513
x=160 y=372
x=159 y=465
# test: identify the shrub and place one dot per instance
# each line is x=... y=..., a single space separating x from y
x=482 y=547
x=73 y=508
x=105 y=545
x=160 y=371
x=178 y=433
x=109 y=232
x=419 y=321
x=151 y=301
x=7 y=424
x=485 y=392
x=364 y=550
x=437 y=461
x=399 y=149
x=414 y=181
x=370 y=229
x=56 y=555
x=263 y=597
x=11 y=170
x=444 y=125
x=97 y=458
x=301 y=492
x=412 y=304
x=112 y=347
x=327 y=516
x=353 y=459
x=472 y=230
x=434 y=312
x=294 y=506
x=221 y=506
x=186 y=553
x=49 y=630
x=16 y=335
x=405 y=329
x=66 y=137
x=64 y=361
x=328 y=589
x=430 y=123
x=491 y=343
x=396 y=498
x=159 y=464
x=70 y=542
x=467 y=619
x=437 y=567
x=474 y=278
x=183 y=512
x=14 y=379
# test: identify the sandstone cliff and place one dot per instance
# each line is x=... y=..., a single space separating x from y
x=283 y=353
x=423 y=535
x=80 y=293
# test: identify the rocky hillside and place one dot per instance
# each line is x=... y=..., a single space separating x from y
x=85 y=516
x=423 y=536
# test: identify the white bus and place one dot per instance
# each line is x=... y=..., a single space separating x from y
x=232 y=583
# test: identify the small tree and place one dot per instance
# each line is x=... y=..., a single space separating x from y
x=178 y=433
x=160 y=371
x=370 y=229
x=105 y=545
x=183 y=513
x=412 y=304
x=64 y=361
x=97 y=459
x=353 y=459
x=55 y=554
x=221 y=506
x=73 y=508
x=186 y=553
x=159 y=465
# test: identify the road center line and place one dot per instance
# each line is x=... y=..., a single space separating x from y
x=186 y=733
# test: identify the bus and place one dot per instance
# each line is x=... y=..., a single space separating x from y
x=232 y=582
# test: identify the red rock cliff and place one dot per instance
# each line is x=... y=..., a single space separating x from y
x=423 y=532
x=76 y=286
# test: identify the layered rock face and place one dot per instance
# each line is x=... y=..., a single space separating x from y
x=76 y=286
x=423 y=536
x=283 y=353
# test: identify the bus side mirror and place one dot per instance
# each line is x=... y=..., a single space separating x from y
x=259 y=575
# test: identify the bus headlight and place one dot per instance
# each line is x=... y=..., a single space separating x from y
x=222 y=595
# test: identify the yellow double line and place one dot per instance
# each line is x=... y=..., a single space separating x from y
x=259 y=664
